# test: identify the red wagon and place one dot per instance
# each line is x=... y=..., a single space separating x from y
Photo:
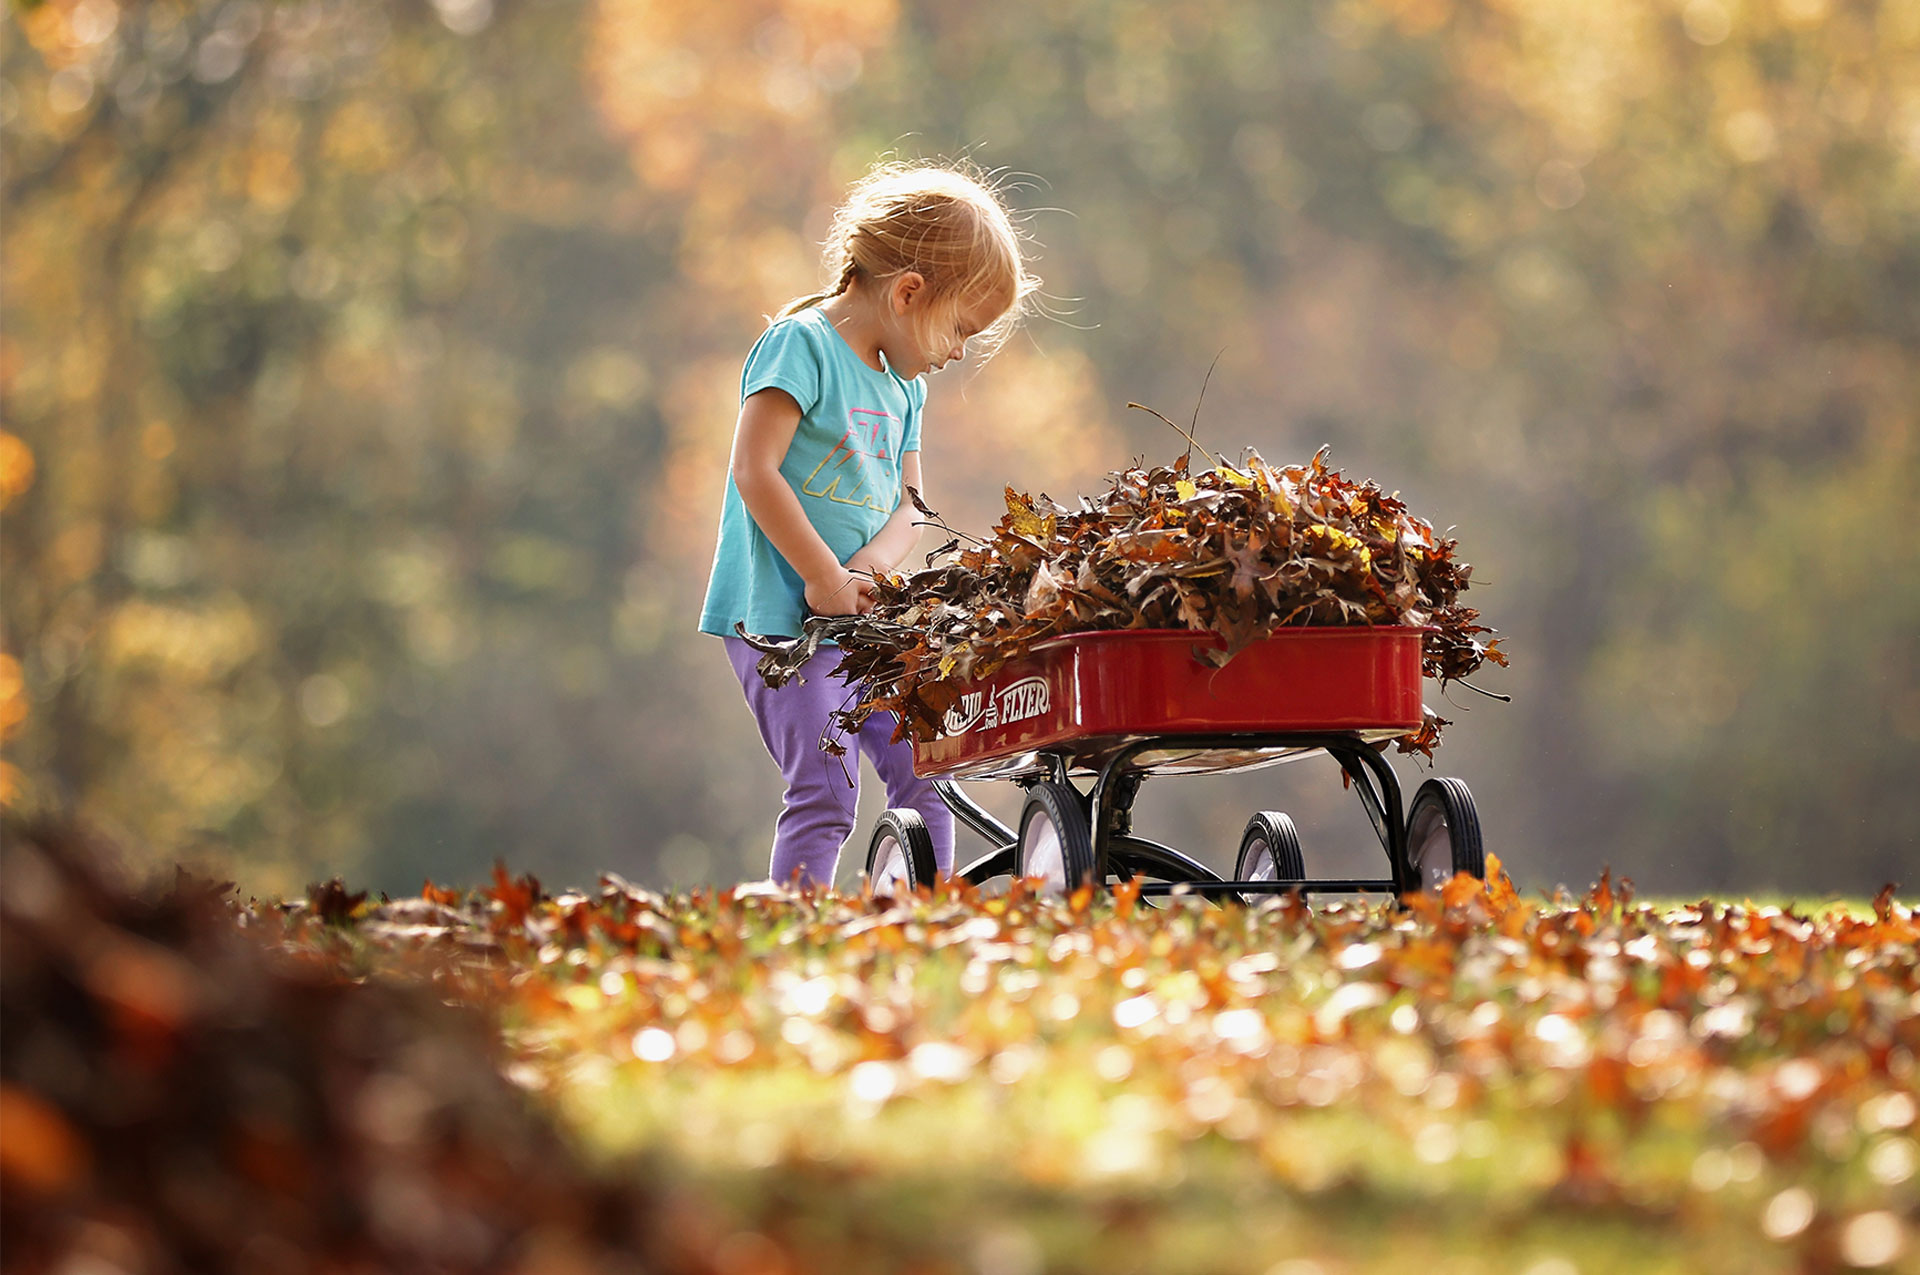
x=1079 y=721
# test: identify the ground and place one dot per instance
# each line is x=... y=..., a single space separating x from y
x=958 y=1081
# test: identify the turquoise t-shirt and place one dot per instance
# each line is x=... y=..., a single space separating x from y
x=843 y=463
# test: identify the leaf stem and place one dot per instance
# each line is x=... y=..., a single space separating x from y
x=1186 y=434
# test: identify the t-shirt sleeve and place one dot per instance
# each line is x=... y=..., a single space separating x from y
x=916 y=400
x=783 y=359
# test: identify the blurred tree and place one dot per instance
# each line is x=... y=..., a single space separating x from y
x=325 y=324
x=378 y=364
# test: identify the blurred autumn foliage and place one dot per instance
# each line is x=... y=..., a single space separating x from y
x=371 y=369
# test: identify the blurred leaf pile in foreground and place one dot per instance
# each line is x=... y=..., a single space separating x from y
x=962 y=1082
x=176 y=1097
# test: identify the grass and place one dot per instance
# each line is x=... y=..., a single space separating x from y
x=1013 y=1085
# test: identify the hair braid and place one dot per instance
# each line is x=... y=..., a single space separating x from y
x=847 y=273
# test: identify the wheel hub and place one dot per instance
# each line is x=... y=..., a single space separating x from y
x=1042 y=854
x=890 y=871
x=1430 y=847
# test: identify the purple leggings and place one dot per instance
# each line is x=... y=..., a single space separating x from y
x=823 y=790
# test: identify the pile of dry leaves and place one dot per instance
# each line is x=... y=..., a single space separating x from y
x=179 y=1095
x=1235 y=550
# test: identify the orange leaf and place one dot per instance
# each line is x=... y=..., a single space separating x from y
x=434 y=894
x=1462 y=890
x=515 y=895
x=39 y=1151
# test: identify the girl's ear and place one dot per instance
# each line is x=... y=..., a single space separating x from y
x=907 y=285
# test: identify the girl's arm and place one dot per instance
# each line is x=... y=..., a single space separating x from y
x=761 y=437
x=897 y=539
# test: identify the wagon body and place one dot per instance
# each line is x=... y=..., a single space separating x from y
x=1113 y=707
x=1087 y=695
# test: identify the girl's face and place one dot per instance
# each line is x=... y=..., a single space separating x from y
x=925 y=334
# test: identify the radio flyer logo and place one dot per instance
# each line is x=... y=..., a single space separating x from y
x=1027 y=698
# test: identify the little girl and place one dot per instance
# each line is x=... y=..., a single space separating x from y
x=924 y=261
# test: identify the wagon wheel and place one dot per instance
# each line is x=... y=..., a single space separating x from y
x=1270 y=849
x=1443 y=834
x=1055 y=844
x=900 y=856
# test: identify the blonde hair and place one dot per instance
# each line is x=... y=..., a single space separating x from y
x=941 y=221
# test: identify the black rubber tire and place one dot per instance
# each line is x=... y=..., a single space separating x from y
x=1060 y=806
x=1270 y=835
x=907 y=831
x=1443 y=834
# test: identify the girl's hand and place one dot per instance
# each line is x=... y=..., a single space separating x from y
x=867 y=566
x=841 y=593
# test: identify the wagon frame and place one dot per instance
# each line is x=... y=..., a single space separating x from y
x=1113 y=708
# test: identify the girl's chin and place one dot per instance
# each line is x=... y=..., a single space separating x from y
x=910 y=367
x=907 y=369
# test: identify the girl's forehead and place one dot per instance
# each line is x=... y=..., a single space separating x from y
x=979 y=309
x=978 y=315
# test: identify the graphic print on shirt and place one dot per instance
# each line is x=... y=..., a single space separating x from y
x=856 y=471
